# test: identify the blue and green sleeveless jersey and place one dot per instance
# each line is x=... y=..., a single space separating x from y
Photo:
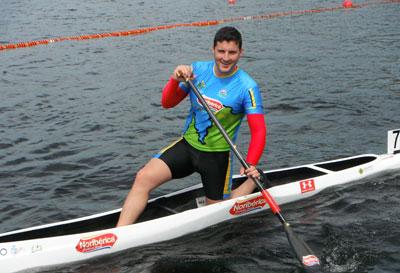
x=230 y=98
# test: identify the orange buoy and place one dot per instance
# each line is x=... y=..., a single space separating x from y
x=347 y=4
x=231 y=2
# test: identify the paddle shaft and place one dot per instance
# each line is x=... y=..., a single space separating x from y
x=303 y=252
x=271 y=202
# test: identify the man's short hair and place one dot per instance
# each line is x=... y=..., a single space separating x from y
x=228 y=34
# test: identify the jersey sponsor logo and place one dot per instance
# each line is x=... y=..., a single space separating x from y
x=201 y=85
x=223 y=93
x=96 y=243
x=310 y=260
x=307 y=185
x=245 y=206
x=215 y=105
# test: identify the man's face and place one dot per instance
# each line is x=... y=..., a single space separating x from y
x=226 y=55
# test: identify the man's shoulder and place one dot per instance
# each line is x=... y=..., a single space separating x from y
x=246 y=80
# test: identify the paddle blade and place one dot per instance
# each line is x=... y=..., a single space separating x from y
x=304 y=254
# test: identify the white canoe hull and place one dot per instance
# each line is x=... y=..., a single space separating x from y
x=19 y=255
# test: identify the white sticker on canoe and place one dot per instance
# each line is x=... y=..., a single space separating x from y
x=307 y=185
x=394 y=141
x=201 y=201
x=96 y=243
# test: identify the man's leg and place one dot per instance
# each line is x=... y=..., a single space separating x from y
x=247 y=187
x=152 y=175
x=211 y=201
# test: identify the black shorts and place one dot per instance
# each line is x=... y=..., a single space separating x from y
x=213 y=167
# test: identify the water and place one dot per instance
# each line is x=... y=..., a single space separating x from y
x=79 y=118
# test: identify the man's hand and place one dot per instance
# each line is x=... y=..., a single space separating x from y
x=182 y=73
x=258 y=174
x=250 y=172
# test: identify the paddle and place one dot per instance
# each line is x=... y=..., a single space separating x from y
x=304 y=254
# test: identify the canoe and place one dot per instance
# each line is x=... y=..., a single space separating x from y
x=181 y=212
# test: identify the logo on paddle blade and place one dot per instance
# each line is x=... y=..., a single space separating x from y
x=310 y=260
x=244 y=206
x=95 y=243
x=307 y=185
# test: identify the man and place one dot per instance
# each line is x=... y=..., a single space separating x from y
x=231 y=94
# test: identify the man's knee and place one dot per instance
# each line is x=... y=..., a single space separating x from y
x=147 y=179
x=141 y=178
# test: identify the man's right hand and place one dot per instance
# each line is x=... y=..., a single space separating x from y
x=182 y=73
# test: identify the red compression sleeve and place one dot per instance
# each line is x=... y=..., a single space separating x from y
x=258 y=131
x=172 y=94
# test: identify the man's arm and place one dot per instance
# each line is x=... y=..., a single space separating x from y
x=258 y=131
x=172 y=94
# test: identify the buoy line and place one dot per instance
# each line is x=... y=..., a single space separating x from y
x=347 y=4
